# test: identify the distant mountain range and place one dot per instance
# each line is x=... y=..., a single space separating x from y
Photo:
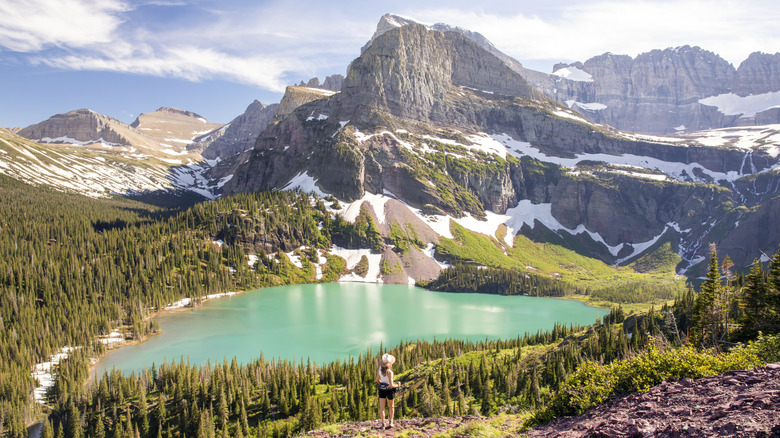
x=434 y=130
x=679 y=89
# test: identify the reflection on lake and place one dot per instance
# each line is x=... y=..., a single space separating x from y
x=326 y=322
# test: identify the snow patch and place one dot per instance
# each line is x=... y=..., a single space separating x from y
x=353 y=256
x=44 y=373
x=731 y=104
x=224 y=180
x=305 y=183
x=319 y=117
x=594 y=106
x=573 y=74
x=674 y=170
x=569 y=115
x=429 y=251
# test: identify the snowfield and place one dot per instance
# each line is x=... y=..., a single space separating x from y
x=731 y=104
x=573 y=74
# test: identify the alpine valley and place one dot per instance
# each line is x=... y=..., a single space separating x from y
x=436 y=160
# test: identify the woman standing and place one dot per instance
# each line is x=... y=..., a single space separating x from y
x=384 y=377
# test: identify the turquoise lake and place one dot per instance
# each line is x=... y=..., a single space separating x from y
x=327 y=322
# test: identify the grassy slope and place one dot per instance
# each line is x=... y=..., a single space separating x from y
x=586 y=274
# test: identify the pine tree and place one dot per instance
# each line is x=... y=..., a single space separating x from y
x=755 y=301
x=47 y=430
x=704 y=316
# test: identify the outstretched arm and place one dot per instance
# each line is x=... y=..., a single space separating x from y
x=390 y=380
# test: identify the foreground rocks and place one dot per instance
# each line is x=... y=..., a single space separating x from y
x=737 y=403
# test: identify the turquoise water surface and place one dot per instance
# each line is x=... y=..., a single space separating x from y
x=326 y=322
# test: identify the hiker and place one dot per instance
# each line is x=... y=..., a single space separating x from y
x=387 y=388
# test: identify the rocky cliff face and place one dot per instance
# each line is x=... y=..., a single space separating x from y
x=82 y=126
x=758 y=74
x=415 y=74
x=541 y=81
x=238 y=135
x=657 y=92
x=332 y=83
x=667 y=91
x=439 y=122
x=295 y=96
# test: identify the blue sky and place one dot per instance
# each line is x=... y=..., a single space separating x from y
x=214 y=57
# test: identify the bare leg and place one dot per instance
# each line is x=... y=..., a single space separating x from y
x=382 y=410
x=391 y=406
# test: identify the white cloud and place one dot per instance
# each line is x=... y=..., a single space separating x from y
x=254 y=44
x=731 y=28
x=30 y=25
x=185 y=62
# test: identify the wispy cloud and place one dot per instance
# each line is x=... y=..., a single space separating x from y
x=29 y=25
x=99 y=35
x=185 y=62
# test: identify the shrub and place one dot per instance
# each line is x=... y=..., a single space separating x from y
x=593 y=383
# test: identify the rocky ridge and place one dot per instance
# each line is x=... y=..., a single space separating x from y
x=174 y=128
x=238 y=135
x=737 y=403
x=84 y=127
x=89 y=153
x=658 y=92
x=295 y=96
x=672 y=90
x=332 y=83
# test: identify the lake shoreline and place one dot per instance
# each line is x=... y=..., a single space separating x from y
x=171 y=309
x=391 y=336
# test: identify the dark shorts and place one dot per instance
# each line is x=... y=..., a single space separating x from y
x=388 y=393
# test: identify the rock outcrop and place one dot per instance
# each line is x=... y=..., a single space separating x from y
x=758 y=74
x=332 y=83
x=666 y=91
x=82 y=126
x=737 y=403
x=295 y=96
x=175 y=128
x=238 y=135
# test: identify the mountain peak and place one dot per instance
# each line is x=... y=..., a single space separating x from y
x=412 y=70
x=181 y=112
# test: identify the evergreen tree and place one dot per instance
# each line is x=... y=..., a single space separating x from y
x=704 y=318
